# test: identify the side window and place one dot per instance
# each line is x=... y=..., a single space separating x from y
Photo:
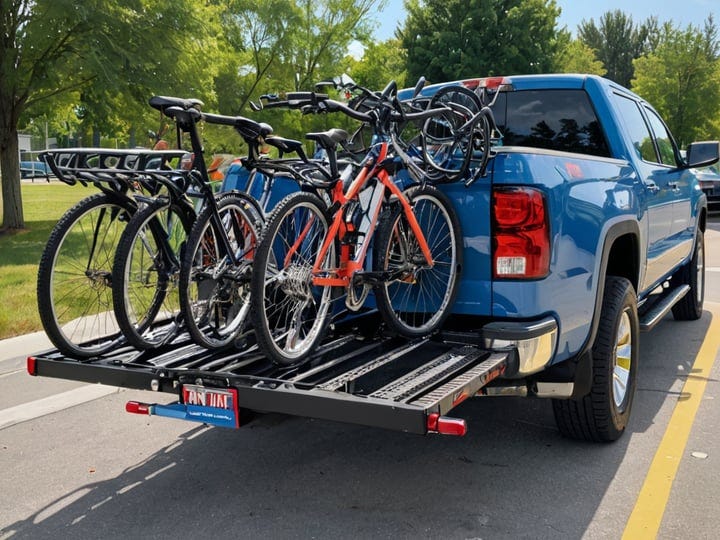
x=555 y=119
x=636 y=127
x=662 y=138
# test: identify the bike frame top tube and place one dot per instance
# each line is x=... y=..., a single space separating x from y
x=373 y=168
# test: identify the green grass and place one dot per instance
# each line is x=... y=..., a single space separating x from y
x=20 y=251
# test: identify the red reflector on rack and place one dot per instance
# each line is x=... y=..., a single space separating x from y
x=445 y=425
x=31 y=365
x=136 y=407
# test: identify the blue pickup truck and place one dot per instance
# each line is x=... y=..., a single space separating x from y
x=586 y=230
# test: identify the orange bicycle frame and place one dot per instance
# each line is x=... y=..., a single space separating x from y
x=342 y=275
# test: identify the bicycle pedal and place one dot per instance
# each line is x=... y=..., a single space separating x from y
x=371 y=277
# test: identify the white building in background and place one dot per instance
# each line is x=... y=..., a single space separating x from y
x=24 y=144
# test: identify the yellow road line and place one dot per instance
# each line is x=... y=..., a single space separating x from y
x=647 y=514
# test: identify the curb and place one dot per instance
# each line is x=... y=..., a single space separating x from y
x=14 y=351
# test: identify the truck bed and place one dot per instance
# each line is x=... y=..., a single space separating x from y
x=358 y=375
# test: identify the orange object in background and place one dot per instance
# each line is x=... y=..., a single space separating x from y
x=216 y=175
x=218 y=166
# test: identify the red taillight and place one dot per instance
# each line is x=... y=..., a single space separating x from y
x=31 y=365
x=521 y=238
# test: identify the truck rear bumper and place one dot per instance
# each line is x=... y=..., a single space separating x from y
x=534 y=342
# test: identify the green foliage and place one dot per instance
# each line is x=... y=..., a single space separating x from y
x=381 y=62
x=681 y=78
x=577 y=57
x=44 y=204
x=109 y=55
x=617 y=42
x=283 y=45
x=451 y=39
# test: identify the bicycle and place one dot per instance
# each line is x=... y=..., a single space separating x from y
x=74 y=275
x=310 y=249
x=455 y=144
x=146 y=265
x=153 y=299
x=214 y=278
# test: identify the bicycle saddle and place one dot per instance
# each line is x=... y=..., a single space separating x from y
x=163 y=102
x=329 y=139
x=286 y=146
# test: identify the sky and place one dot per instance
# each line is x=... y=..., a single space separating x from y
x=681 y=12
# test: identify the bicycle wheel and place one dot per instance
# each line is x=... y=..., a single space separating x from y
x=289 y=313
x=214 y=293
x=74 y=286
x=146 y=273
x=416 y=298
x=452 y=139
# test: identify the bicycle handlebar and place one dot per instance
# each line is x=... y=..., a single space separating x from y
x=387 y=105
x=248 y=129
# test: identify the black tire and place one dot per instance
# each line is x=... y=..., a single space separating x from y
x=450 y=141
x=290 y=315
x=418 y=299
x=603 y=414
x=690 y=307
x=74 y=286
x=215 y=295
x=146 y=273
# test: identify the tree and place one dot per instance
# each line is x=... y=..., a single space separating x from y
x=49 y=48
x=282 y=45
x=577 y=57
x=682 y=80
x=452 y=39
x=381 y=63
x=617 y=42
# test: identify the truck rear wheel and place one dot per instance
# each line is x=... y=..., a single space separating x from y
x=603 y=414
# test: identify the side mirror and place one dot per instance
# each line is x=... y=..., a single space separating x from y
x=702 y=154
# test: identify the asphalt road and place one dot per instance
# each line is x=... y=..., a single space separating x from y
x=73 y=464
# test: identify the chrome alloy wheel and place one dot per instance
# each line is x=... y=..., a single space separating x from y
x=622 y=360
x=700 y=272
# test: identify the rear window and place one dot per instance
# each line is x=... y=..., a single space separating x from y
x=554 y=119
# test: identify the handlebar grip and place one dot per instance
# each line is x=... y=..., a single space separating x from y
x=305 y=96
